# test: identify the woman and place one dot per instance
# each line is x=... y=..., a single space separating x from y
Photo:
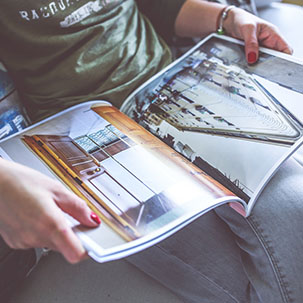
x=64 y=52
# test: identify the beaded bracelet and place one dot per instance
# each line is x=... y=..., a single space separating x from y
x=222 y=17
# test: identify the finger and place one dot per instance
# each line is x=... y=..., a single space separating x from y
x=55 y=232
x=249 y=34
x=77 y=208
x=47 y=249
x=283 y=46
x=288 y=50
x=271 y=37
x=66 y=242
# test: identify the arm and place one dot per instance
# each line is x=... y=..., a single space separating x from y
x=31 y=206
x=198 y=18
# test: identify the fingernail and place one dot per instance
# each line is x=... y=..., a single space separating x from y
x=95 y=218
x=252 y=57
x=290 y=51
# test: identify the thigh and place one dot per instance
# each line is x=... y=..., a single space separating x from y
x=14 y=266
x=272 y=240
x=200 y=263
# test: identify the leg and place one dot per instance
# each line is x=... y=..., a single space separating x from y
x=272 y=241
x=201 y=263
x=14 y=266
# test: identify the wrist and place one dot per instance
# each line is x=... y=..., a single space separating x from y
x=197 y=18
x=223 y=18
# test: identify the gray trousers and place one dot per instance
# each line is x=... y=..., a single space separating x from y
x=223 y=257
x=14 y=267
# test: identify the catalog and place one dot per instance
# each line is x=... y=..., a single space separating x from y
x=206 y=131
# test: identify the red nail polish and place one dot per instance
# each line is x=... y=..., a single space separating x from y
x=95 y=218
x=252 y=57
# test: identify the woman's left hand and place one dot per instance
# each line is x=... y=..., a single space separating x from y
x=199 y=18
x=254 y=31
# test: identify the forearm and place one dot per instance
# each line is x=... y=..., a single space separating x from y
x=197 y=18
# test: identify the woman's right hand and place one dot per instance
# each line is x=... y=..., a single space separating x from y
x=31 y=206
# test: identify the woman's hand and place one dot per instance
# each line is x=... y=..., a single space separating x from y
x=31 y=206
x=254 y=31
x=198 y=18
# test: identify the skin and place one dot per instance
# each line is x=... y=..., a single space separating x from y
x=32 y=205
x=198 y=18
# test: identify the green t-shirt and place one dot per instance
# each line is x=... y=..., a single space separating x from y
x=62 y=52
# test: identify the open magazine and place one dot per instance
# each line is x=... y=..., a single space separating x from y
x=207 y=130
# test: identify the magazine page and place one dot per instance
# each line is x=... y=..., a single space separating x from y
x=142 y=189
x=4 y=155
x=237 y=122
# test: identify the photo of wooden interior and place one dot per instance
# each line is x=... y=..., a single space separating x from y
x=132 y=186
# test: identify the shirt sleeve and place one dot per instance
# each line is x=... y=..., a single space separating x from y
x=162 y=14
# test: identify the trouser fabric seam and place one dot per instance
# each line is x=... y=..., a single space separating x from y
x=258 y=232
x=201 y=274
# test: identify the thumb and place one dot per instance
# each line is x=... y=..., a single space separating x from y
x=77 y=208
x=251 y=44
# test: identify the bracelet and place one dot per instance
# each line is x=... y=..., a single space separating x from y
x=222 y=16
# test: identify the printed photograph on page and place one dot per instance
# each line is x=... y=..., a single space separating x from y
x=231 y=119
x=136 y=183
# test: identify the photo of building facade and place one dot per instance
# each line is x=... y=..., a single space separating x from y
x=212 y=105
x=219 y=99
